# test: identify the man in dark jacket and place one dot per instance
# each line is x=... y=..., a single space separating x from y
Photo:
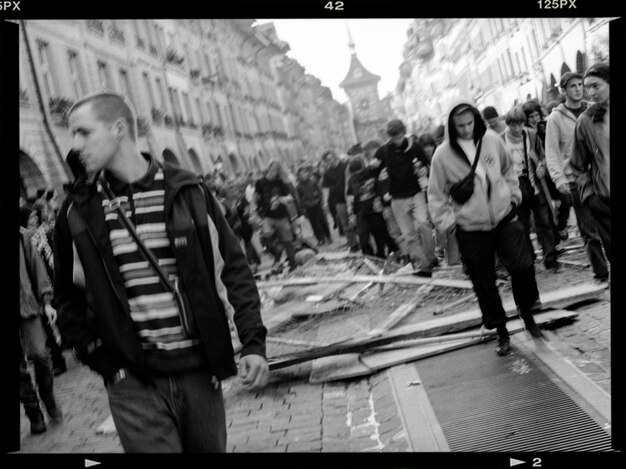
x=407 y=167
x=591 y=159
x=161 y=363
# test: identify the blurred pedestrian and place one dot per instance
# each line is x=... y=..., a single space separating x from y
x=334 y=188
x=310 y=194
x=494 y=120
x=407 y=167
x=35 y=296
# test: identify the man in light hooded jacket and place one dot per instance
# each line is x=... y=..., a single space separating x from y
x=486 y=223
x=559 y=150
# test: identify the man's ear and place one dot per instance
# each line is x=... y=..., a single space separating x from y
x=120 y=127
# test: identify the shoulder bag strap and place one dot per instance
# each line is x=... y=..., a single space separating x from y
x=475 y=163
x=143 y=249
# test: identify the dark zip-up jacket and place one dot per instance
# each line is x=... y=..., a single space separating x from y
x=401 y=167
x=90 y=296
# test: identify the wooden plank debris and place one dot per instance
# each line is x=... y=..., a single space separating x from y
x=362 y=364
x=398 y=280
x=454 y=323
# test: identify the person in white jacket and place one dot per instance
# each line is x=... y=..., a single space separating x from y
x=486 y=223
x=559 y=148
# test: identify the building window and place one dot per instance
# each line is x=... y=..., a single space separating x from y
x=141 y=42
x=161 y=94
x=125 y=85
x=187 y=115
x=199 y=111
x=146 y=84
x=44 y=66
x=103 y=75
x=75 y=74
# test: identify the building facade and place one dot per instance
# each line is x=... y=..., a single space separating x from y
x=209 y=94
x=496 y=62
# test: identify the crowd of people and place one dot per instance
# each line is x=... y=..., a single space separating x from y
x=462 y=195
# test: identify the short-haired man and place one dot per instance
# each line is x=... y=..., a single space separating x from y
x=494 y=120
x=559 y=150
x=407 y=168
x=530 y=166
x=486 y=223
x=161 y=363
x=591 y=159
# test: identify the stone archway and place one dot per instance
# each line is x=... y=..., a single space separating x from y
x=195 y=161
x=31 y=177
x=170 y=156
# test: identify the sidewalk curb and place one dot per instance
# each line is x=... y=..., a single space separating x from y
x=418 y=417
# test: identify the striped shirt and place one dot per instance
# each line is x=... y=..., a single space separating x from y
x=153 y=308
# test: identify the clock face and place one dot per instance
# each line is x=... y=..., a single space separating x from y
x=364 y=104
x=357 y=73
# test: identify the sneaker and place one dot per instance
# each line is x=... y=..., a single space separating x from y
x=563 y=235
x=601 y=282
x=531 y=326
x=554 y=268
x=37 y=423
x=504 y=345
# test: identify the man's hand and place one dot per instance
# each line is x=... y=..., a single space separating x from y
x=564 y=189
x=51 y=313
x=254 y=371
x=541 y=171
x=374 y=163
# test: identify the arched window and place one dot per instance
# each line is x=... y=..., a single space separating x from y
x=580 y=62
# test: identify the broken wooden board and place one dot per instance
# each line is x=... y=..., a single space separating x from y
x=394 y=318
x=321 y=307
x=338 y=255
x=353 y=365
x=439 y=326
x=397 y=280
x=301 y=293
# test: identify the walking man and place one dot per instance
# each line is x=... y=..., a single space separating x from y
x=486 y=223
x=559 y=150
x=407 y=167
x=161 y=350
x=35 y=296
x=591 y=160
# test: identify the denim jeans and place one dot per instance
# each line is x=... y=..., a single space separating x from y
x=179 y=413
x=412 y=217
x=544 y=226
x=601 y=210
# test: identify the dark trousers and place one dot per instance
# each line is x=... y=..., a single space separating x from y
x=601 y=210
x=33 y=340
x=373 y=224
x=478 y=250
x=589 y=234
x=538 y=205
x=179 y=413
x=28 y=394
x=318 y=222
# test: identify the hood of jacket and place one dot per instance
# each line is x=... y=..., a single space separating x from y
x=561 y=108
x=479 y=124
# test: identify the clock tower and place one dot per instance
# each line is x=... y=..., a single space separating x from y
x=361 y=86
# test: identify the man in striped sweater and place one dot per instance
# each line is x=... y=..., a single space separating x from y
x=161 y=364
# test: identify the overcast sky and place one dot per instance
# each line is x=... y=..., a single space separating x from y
x=321 y=47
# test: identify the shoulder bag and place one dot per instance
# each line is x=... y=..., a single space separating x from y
x=462 y=190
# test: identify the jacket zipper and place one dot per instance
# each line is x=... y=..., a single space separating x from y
x=181 y=309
